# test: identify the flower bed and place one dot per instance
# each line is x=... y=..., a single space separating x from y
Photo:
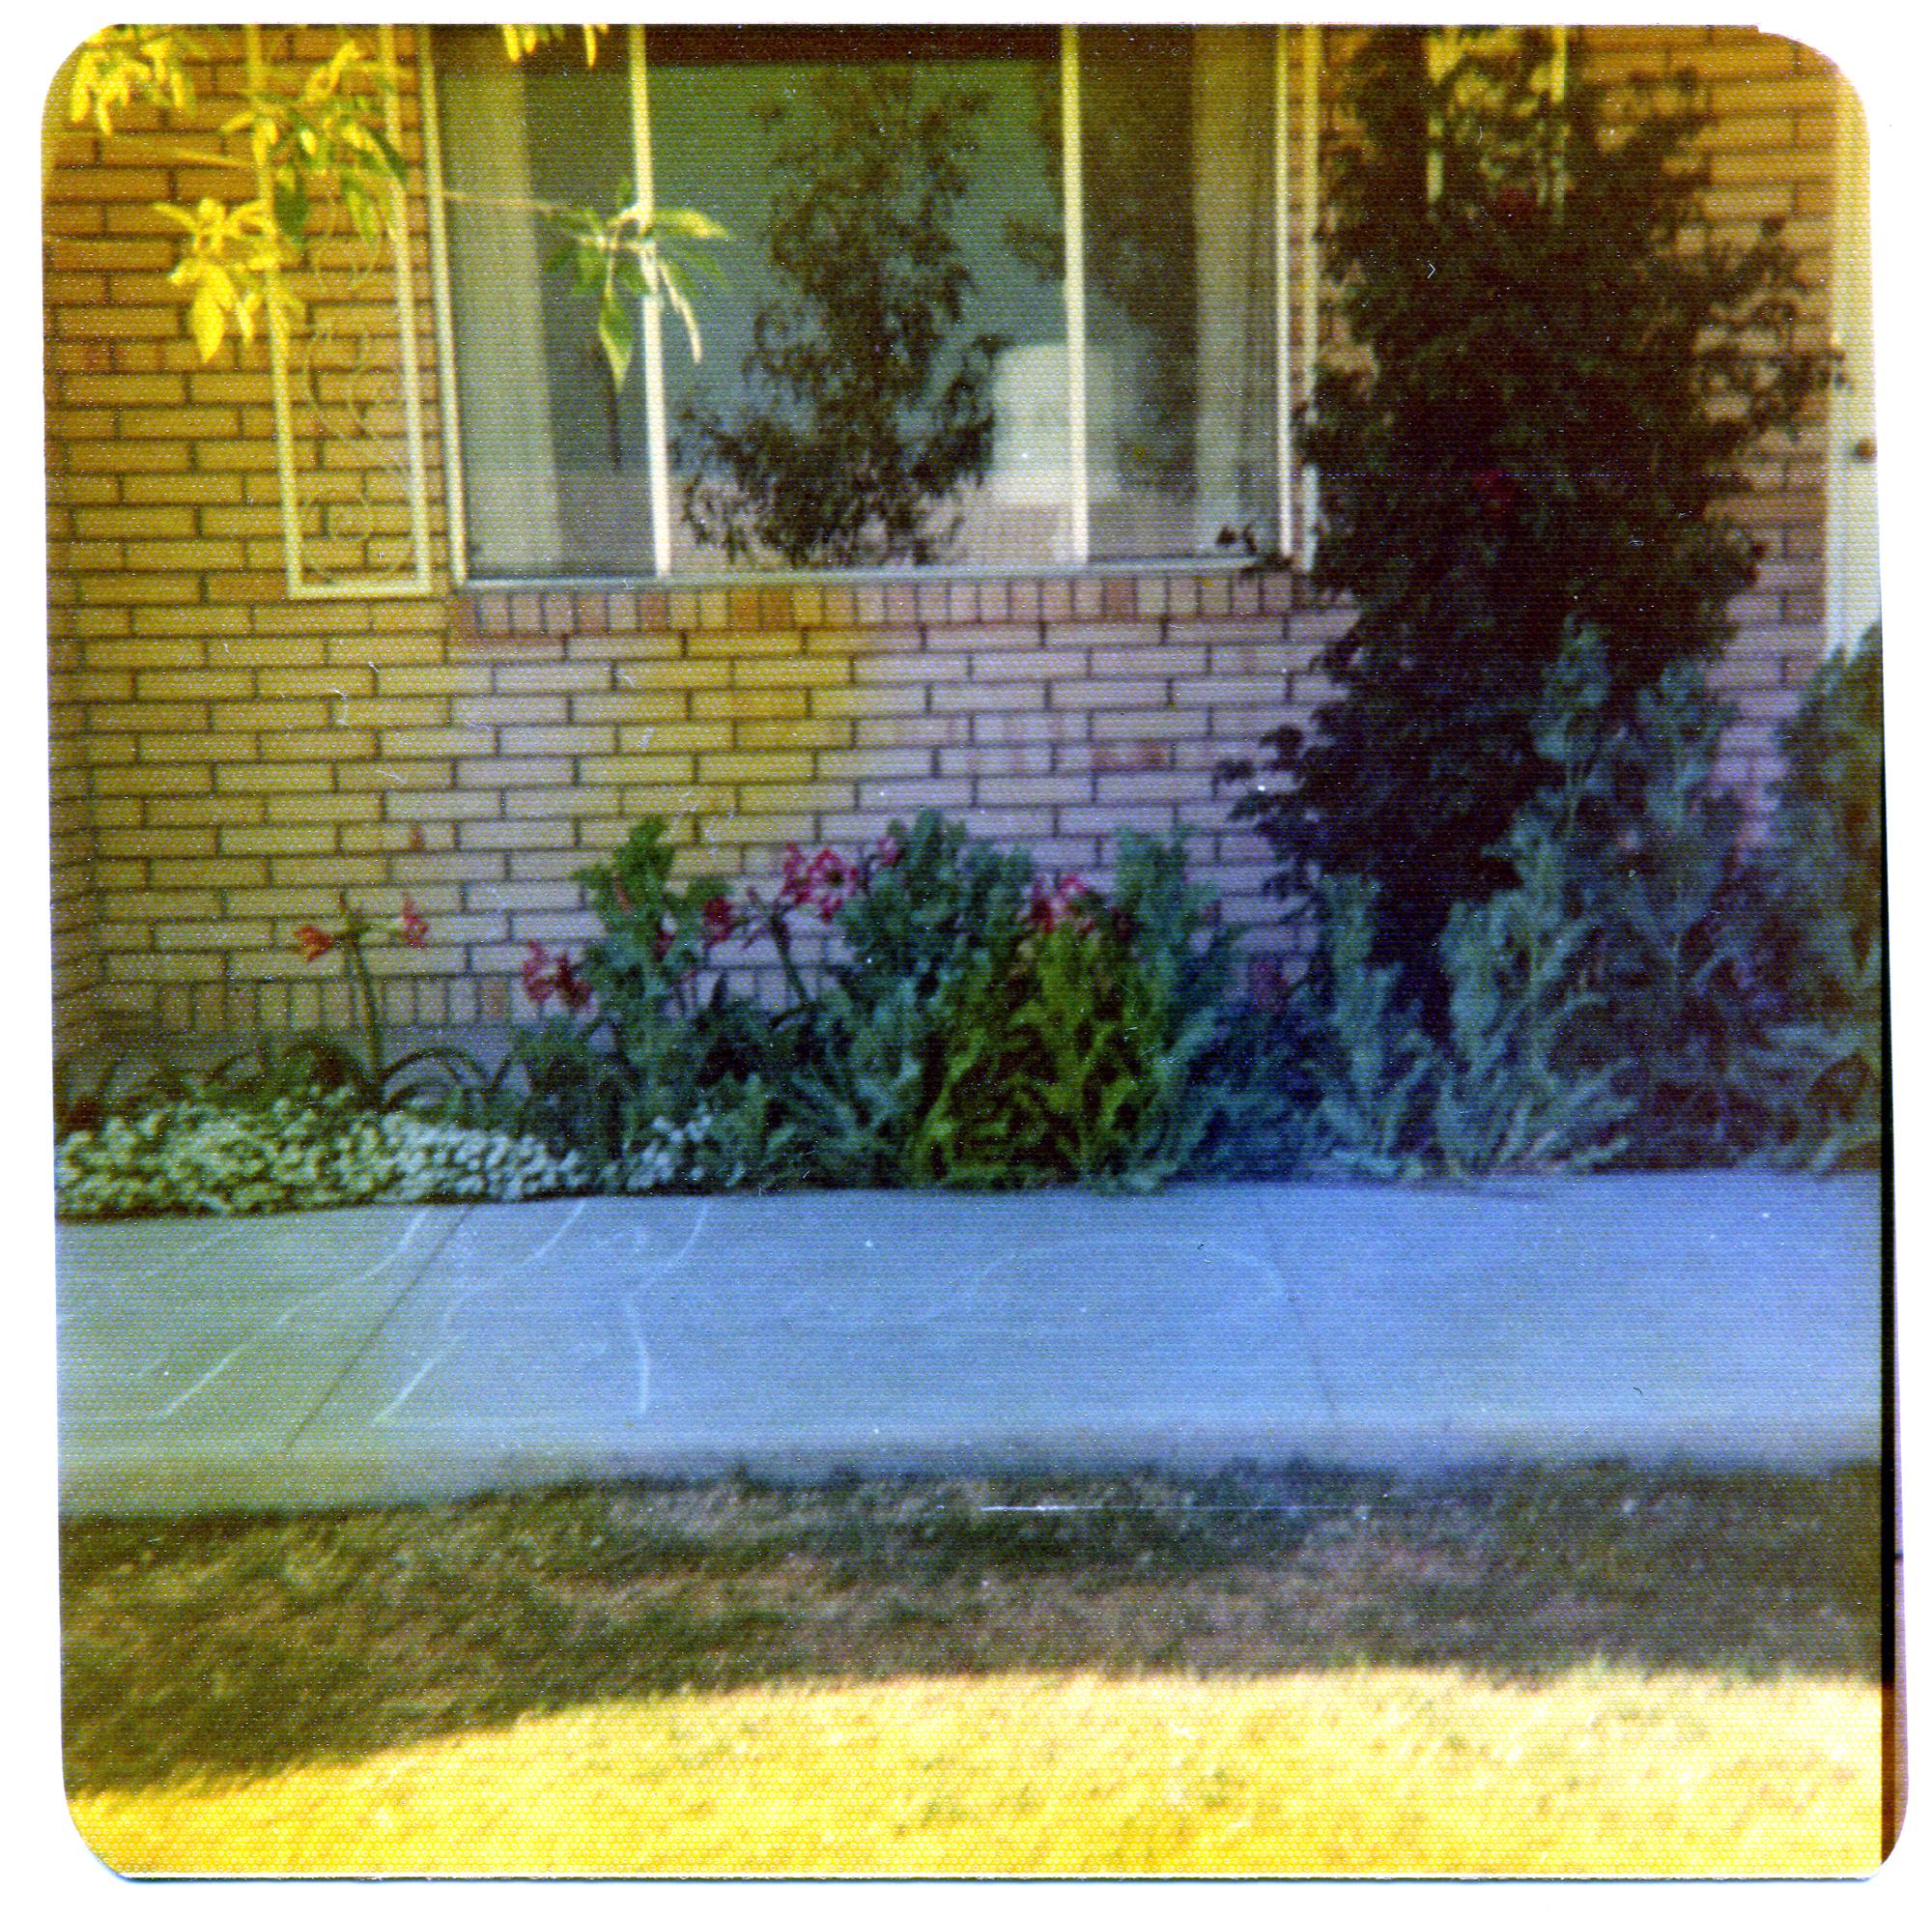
x=1641 y=993
x=975 y=1027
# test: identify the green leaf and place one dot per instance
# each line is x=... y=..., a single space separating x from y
x=683 y=222
x=616 y=335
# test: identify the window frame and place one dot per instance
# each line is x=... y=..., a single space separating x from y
x=1296 y=124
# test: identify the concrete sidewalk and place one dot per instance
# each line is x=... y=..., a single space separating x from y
x=393 y=1353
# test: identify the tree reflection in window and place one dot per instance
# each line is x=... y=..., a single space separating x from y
x=864 y=415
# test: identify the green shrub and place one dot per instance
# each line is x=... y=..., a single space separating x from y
x=659 y=1055
x=1261 y=1082
x=927 y=938
x=1676 y=918
x=1828 y=912
x=1080 y=1060
x=955 y=1037
x=1369 y=1063
x=1511 y=1093
x=986 y=1032
x=1617 y=1000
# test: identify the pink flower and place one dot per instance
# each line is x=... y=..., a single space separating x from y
x=719 y=920
x=833 y=882
x=889 y=850
x=795 y=885
x=546 y=978
x=313 y=941
x=415 y=926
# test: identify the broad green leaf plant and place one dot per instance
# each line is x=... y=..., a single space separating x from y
x=326 y=141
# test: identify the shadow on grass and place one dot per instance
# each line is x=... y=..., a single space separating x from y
x=227 y=1646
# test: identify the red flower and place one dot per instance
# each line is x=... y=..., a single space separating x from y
x=546 y=978
x=827 y=882
x=571 y=985
x=1069 y=898
x=719 y=920
x=416 y=927
x=312 y=941
x=538 y=982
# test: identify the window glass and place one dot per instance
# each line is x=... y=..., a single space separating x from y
x=556 y=474
x=885 y=371
x=870 y=387
x=1176 y=134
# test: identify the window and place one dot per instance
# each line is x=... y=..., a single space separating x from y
x=947 y=334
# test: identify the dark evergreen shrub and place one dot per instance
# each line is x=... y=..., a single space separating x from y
x=1560 y=377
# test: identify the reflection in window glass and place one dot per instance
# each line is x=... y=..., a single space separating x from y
x=886 y=365
x=871 y=389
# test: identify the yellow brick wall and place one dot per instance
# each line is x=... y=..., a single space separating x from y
x=224 y=758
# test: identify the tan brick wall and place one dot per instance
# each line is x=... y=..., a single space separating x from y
x=224 y=758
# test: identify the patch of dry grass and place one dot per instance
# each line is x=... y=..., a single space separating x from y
x=1298 y=1670
x=1599 y=1772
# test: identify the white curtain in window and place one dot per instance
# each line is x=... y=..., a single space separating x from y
x=497 y=258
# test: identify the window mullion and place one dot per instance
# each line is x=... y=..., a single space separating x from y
x=656 y=425
x=1076 y=290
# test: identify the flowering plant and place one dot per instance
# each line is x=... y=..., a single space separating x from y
x=547 y=976
x=353 y=928
x=971 y=1025
x=1068 y=901
x=825 y=885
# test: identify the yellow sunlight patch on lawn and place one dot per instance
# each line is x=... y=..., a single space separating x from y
x=1364 y=1772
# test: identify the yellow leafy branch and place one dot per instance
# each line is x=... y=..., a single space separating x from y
x=518 y=41
x=119 y=66
x=328 y=138
x=230 y=263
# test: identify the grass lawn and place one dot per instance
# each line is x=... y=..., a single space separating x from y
x=1579 y=1670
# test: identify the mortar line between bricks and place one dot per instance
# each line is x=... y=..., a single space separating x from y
x=375 y=1330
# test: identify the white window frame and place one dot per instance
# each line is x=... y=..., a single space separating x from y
x=1296 y=270
x=1852 y=494
x=299 y=581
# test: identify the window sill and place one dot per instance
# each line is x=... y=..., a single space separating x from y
x=549 y=609
x=1211 y=566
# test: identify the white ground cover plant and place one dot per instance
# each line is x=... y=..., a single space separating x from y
x=313 y=1154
